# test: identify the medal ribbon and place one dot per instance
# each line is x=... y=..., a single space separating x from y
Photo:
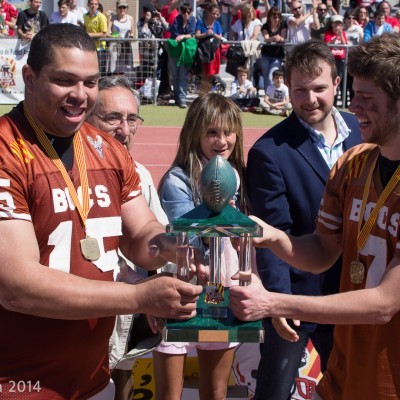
x=366 y=229
x=83 y=210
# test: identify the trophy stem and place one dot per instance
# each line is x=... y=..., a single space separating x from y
x=245 y=259
x=215 y=259
x=215 y=295
x=182 y=256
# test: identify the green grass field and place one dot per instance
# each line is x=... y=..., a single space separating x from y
x=174 y=116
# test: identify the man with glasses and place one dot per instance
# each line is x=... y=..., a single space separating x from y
x=300 y=24
x=325 y=12
x=117 y=113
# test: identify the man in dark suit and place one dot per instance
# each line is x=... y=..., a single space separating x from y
x=287 y=170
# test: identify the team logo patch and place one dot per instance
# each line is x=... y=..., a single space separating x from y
x=97 y=144
x=19 y=148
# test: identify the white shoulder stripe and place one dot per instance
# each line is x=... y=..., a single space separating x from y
x=329 y=226
x=9 y=214
x=5 y=182
x=134 y=193
x=329 y=217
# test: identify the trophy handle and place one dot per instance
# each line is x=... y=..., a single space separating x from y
x=182 y=256
x=246 y=246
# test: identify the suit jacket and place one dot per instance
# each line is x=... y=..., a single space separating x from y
x=286 y=176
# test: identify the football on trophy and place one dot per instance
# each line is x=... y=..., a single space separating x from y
x=217 y=184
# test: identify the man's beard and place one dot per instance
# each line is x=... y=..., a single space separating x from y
x=389 y=128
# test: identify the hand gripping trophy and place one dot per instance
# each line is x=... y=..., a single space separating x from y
x=214 y=219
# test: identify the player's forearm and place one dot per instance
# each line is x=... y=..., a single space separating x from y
x=355 y=307
x=44 y=292
x=307 y=253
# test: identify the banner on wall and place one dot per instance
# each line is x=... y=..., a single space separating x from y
x=13 y=56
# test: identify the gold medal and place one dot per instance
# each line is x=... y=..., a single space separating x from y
x=90 y=249
x=357 y=271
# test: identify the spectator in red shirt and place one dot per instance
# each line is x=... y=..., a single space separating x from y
x=336 y=35
x=9 y=14
x=169 y=12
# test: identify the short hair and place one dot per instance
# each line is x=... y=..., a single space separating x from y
x=65 y=36
x=62 y=2
x=277 y=72
x=384 y=2
x=308 y=58
x=211 y=7
x=379 y=61
x=186 y=7
x=242 y=68
x=122 y=82
x=379 y=13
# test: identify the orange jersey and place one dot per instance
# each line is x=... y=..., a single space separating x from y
x=69 y=359
x=365 y=360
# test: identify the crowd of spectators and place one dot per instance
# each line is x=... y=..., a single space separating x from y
x=270 y=30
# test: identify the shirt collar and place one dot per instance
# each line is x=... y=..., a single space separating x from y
x=342 y=129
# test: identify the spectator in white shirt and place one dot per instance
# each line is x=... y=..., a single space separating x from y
x=300 y=24
x=78 y=11
x=63 y=15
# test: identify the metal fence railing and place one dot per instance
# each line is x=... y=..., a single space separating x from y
x=138 y=60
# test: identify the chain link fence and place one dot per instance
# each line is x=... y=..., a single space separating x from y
x=142 y=61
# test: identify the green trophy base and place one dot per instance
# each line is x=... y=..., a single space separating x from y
x=203 y=328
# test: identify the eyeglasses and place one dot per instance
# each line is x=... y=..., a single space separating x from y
x=116 y=119
x=186 y=12
x=123 y=7
x=297 y=8
x=321 y=9
x=351 y=17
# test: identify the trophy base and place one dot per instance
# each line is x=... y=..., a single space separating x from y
x=211 y=325
x=213 y=312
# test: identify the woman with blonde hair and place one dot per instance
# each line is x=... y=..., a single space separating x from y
x=212 y=126
x=248 y=27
